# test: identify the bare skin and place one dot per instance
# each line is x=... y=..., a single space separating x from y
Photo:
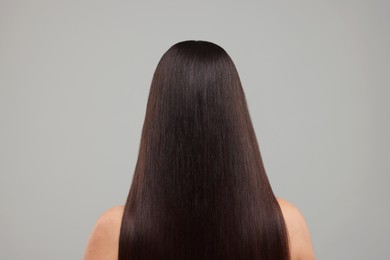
x=298 y=232
x=103 y=242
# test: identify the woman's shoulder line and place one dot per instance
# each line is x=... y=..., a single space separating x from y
x=103 y=242
x=298 y=231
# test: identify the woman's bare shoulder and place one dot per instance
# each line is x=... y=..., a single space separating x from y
x=103 y=242
x=298 y=231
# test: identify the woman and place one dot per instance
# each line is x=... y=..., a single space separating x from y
x=200 y=190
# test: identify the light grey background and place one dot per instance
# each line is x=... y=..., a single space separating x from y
x=74 y=80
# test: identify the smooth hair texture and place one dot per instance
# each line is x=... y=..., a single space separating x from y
x=200 y=190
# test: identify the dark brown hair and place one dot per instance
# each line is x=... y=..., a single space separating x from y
x=200 y=190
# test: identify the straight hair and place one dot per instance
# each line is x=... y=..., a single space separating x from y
x=200 y=190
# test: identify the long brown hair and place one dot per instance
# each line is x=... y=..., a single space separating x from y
x=200 y=190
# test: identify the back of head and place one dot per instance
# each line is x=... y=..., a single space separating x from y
x=200 y=190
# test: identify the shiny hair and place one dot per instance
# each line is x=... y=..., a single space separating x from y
x=200 y=190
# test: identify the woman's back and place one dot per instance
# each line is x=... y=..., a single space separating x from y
x=200 y=189
x=103 y=243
